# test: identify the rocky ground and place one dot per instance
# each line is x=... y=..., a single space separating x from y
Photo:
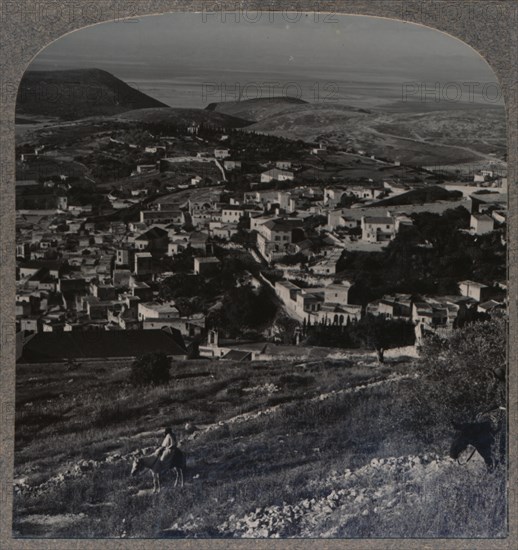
x=383 y=487
x=377 y=488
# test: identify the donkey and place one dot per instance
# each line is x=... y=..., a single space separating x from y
x=153 y=463
x=487 y=440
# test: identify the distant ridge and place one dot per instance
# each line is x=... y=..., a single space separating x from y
x=78 y=93
x=255 y=101
x=182 y=117
x=256 y=109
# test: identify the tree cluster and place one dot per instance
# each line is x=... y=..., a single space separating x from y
x=428 y=258
x=372 y=332
x=244 y=310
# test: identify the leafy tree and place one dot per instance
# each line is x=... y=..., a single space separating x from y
x=377 y=333
x=183 y=262
x=293 y=259
x=289 y=328
x=184 y=285
x=465 y=373
x=347 y=200
x=243 y=309
x=150 y=369
x=470 y=315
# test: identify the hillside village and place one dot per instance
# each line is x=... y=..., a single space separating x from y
x=154 y=230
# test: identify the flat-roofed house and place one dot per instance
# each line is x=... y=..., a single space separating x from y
x=274 y=238
x=477 y=291
x=336 y=293
x=205 y=266
x=157 y=311
x=481 y=224
x=276 y=175
x=316 y=305
x=338 y=218
x=398 y=306
x=232 y=165
x=231 y=214
x=287 y=291
x=162 y=216
x=376 y=229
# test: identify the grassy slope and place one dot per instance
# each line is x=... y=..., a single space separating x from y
x=280 y=450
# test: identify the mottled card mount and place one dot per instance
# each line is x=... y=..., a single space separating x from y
x=490 y=27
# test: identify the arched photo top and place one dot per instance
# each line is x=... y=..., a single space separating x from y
x=282 y=241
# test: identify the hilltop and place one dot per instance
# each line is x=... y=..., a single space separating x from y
x=257 y=109
x=78 y=93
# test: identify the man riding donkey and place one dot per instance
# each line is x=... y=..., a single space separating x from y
x=167 y=457
x=165 y=452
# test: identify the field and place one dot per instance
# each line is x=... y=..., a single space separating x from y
x=329 y=448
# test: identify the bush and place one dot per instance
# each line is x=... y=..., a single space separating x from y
x=151 y=369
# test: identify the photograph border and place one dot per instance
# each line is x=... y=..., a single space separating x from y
x=490 y=27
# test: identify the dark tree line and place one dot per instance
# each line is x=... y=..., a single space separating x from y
x=371 y=332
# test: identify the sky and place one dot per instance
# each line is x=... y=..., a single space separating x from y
x=189 y=60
